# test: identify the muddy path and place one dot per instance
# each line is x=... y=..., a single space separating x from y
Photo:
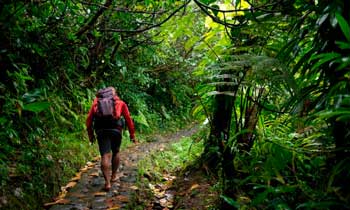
x=85 y=191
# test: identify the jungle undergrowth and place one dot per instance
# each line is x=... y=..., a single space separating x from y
x=171 y=170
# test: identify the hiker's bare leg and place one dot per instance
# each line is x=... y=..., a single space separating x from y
x=115 y=165
x=105 y=167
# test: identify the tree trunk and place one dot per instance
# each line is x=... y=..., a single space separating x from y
x=219 y=133
x=245 y=140
x=327 y=33
x=340 y=129
x=219 y=136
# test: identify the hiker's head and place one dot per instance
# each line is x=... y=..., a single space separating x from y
x=114 y=91
x=105 y=92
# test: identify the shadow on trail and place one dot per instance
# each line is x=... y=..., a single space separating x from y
x=85 y=191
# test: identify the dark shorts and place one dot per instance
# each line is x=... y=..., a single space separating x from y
x=109 y=139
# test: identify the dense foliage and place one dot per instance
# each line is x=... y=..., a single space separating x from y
x=280 y=105
x=270 y=78
x=54 y=56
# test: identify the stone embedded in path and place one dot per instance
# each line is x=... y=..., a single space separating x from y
x=99 y=204
x=130 y=179
x=68 y=207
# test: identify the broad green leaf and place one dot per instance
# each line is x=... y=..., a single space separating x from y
x=165 y=114
x=343 y=45
x=343 y=25
x=230 y=201
x=36 y=106
x=197 y=110
x=215 y=10
x=344 y=62
x=96 y=33
x=329 y=114
x=344 y=118
x=141 y=118
x=324 y=58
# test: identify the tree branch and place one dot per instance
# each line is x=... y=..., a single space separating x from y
x=125 y=10
x=152 y=26
x=94 y=19
x=205 y=8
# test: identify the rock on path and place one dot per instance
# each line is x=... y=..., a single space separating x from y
x=85 y=191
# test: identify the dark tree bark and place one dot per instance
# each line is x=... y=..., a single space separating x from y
x=340 y=128
x=329 y=34
x=221 y=128
x=219 y=136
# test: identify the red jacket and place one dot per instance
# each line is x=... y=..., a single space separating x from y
x=121 y=110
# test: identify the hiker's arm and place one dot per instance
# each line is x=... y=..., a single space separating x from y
x=129 y=122
x=89 y=122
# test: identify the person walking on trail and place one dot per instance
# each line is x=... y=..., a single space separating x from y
x=104 y=120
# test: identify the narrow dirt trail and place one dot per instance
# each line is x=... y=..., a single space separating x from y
x=85 y=191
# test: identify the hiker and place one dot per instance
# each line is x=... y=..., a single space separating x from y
x=104 y=119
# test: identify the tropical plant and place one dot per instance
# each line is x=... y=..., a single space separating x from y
x=305 y=75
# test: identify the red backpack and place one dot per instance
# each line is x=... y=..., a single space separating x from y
x=106 y=103
x=105 y=115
